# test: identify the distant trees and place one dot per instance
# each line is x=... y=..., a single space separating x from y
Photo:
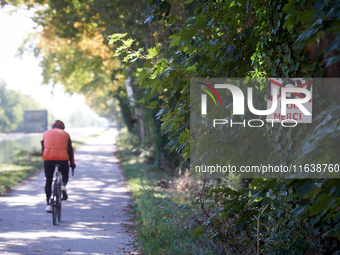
x=74 y=51
x=12 y=107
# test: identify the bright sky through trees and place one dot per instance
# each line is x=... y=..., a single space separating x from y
x=24 y=74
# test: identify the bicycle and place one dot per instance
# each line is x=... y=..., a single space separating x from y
x=56 y=199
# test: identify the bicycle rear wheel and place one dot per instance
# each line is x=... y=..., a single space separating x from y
x=59 y=203
x=54 y=203
x=59 y=212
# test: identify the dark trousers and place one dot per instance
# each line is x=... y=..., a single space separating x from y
x=49 y=166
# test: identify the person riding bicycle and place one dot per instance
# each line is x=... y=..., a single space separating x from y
x=56 y=148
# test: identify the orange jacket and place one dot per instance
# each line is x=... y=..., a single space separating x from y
x=57 y=145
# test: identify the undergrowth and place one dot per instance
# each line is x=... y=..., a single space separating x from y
x=163 y=219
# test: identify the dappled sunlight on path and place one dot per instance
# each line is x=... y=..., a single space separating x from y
x=92 y=217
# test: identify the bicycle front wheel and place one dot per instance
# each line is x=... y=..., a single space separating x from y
x=59 y=211
x=55 y=213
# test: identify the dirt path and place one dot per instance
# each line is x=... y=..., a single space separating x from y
x=93 y=217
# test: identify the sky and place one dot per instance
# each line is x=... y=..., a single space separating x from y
x=23 y=74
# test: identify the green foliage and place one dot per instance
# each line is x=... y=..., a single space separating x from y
x=274 y=220
x=319 y=19
x=73 y=47
x=252 y=39
x=156 y=79
x=222 y=39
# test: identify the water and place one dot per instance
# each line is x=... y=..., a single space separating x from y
x=11 y=144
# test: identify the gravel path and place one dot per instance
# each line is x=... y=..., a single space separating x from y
x=93 y=217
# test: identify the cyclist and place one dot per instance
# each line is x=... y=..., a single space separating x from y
x=56 y=148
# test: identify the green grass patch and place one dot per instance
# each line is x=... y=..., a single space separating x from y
x=24 y=166
x=163 y=220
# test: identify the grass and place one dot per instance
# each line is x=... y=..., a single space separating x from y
x=163 y=223
x=26 y=164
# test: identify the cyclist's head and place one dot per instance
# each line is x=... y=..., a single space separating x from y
x=58 y=124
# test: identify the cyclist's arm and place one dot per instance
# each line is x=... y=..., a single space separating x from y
x=42 y=147
x=70 y=152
